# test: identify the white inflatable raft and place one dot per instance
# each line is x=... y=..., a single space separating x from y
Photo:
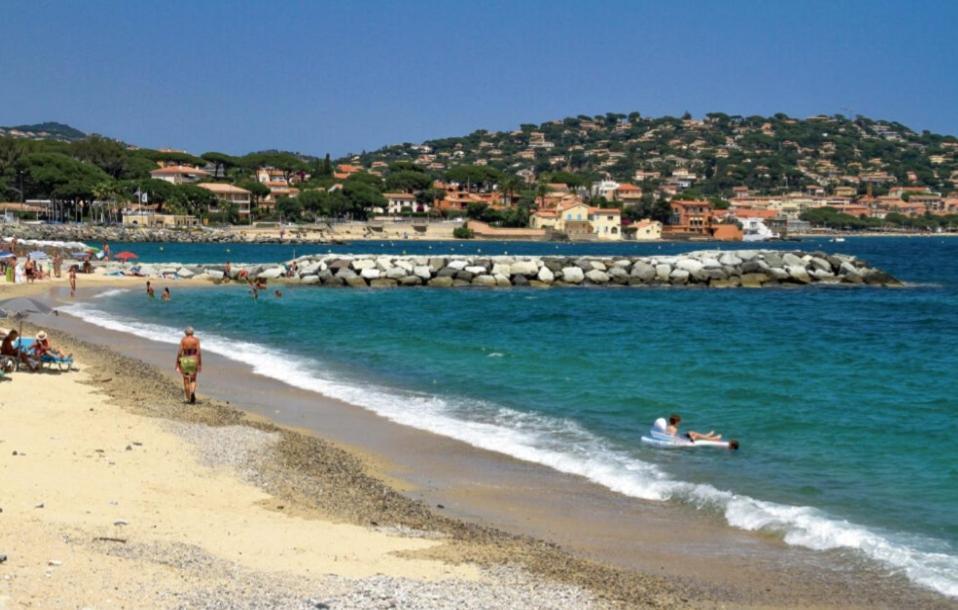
x=664 y=440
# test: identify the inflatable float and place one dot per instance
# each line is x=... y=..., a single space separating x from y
x=658 y=437
x=667 y=441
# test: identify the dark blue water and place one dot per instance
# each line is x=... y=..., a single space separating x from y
x=845 y=399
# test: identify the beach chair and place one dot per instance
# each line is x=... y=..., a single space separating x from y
x=63 y=363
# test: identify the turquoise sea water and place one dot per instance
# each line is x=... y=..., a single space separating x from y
x=845 y=400
x=151 y=252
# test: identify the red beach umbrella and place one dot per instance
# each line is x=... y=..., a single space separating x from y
x=125 y=256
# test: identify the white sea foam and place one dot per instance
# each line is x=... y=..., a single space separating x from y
x=110 y=293
x=564 y=445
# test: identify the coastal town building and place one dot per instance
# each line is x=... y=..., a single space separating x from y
x=404 y=203
x=643 y=230
x=691 y=216
x=755 y=229
x=146 y=216
x=230 y=195
x=345 y=170
x=606 y=223
x=279 y=183
x=179 y=174
x=605 y=188
x=578 y=220
x=627 y=194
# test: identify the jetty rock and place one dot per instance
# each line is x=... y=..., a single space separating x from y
x=133 y=233
x=706 y=269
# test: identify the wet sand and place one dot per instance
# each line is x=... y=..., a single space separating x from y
x=704 y=559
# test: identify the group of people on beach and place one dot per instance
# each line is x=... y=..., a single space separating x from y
x=18 y=266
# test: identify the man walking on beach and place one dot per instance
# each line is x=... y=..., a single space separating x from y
x=189 y=363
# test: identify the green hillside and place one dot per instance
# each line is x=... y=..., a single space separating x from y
x=767 y=154
x=50 y=130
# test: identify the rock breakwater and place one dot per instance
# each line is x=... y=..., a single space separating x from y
x=106 y=234
x=714 y=269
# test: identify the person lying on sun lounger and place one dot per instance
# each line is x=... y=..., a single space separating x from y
x=42 y=347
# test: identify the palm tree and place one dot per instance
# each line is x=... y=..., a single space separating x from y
x=108 y=193
x=542 y=189
x=509 y=186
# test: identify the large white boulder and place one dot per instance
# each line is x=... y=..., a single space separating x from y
x=798 y=273
x=597 y=277
x=689 y=264
x=792 y=260
x=526 y=268
x=572 y=275
x=730 y=259
x=272 y=273
x=643 y=271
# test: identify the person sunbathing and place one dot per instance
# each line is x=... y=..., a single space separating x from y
x=43 y=347
x=10 y=349
x=673 y=429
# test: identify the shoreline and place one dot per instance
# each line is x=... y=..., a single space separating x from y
x=307 y=477
x=525 y=498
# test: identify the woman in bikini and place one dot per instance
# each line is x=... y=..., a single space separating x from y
x=189 y=363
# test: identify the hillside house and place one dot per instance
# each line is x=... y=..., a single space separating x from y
x=643 y=230
x=691 y=216
x=628 y=194
x=404 y=203
x=179 y=174
x=606 y=223
x=230 y=194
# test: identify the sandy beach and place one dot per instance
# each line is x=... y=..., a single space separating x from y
x=118 y=495
x=145 y=498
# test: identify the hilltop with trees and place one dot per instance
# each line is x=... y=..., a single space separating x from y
x=769 y=155
x=666 y=156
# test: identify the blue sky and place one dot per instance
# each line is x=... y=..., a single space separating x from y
x=341 y=77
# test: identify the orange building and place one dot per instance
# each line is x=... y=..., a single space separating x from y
x=691 y=216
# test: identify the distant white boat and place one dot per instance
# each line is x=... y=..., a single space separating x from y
x=755 y=229
x=837 y=240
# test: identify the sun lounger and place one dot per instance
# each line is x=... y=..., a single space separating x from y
x=25 y=345
x=64 y=363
